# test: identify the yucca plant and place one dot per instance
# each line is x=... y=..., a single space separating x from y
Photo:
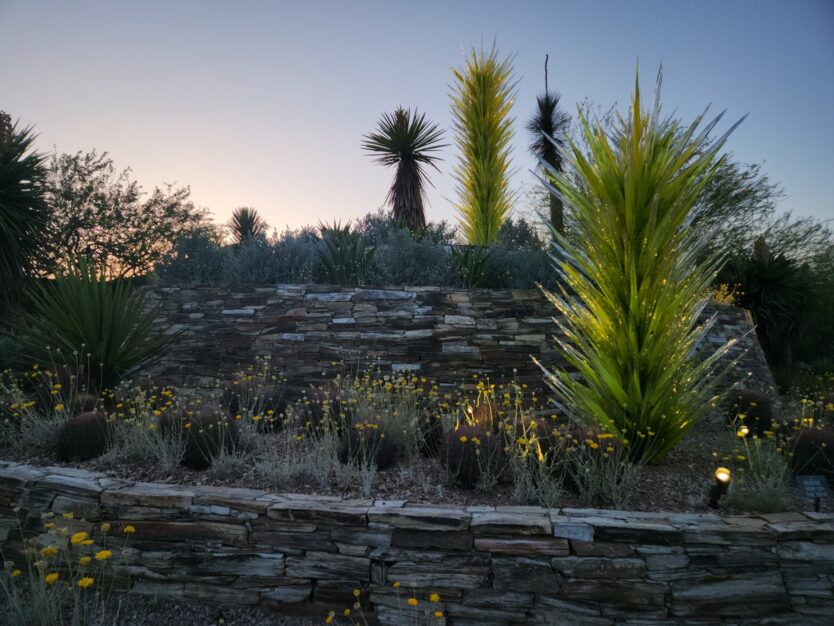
x=634 y=289
x=406 y=140
x=24 y=216
x=548 y=129
x=101 y=328
x=483 y=96
x=345 y=258
x=246 y=224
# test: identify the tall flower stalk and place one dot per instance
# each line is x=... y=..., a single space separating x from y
x=482 y=98
x=634 y=287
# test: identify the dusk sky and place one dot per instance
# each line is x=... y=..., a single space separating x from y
x=264 y=103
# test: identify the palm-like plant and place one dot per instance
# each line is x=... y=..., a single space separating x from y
x=246 y=224
x=345 y=258
x=408 y=141
x=24 y=215
x=85 y=322
x=549 y=127
x=481 y=102
x=632 y=327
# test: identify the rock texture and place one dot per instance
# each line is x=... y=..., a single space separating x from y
x=444 y=334
x=297 y=554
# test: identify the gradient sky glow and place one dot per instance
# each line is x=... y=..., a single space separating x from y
x=264 y=103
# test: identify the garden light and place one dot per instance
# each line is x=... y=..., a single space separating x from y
x=722 y=482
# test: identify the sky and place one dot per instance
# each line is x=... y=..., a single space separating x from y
x=264 y=104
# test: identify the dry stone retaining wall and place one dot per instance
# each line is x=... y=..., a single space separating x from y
x=301 y=554
x=445 y=334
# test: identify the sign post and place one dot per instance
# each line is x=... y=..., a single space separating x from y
x=813 y=488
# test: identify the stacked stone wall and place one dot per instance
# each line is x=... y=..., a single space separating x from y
x=316 y=331
x=298 y=554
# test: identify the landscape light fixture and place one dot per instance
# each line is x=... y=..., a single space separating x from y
x=722 y=482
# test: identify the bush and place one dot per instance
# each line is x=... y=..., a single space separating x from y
x=197 y=258
x=345 y=258
x=474 y=456
x=92 y=325
x=762 y=480
x=82 y=437
x=265 y=404
x=208 y=434
x=752 y=409
x=599 y=469
x=813 y=452
x=367 y=444
x=324 y=409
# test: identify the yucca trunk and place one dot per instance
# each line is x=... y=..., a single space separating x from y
x=631 y=324
x=481 y=104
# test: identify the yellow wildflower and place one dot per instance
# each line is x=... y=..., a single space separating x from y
x=463 y=439
x=16 y=573
x=435 y=597
x=129 y=530
x=79 y=537
x=85 y=560
x=59 y=407
x=103 y=555
x=85 y=582
x=51 y=578
x=438 y=613
x=49 y=551
x=412 y=602
x=105 y=527
x=68 y=515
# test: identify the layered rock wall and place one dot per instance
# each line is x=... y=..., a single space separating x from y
x=300 y=554
x=315 y=331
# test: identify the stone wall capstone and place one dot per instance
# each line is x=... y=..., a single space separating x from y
x=299 y=554
x=311 y=331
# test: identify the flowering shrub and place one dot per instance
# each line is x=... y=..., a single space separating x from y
x=62 y=568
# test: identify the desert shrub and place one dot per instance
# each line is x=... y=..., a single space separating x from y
x=751 y=408
x=197 y=258
x=255 y=263
x=524 y=269
x=404 y=260
x=82 y=437
x=207 y=435
x=474 y=267
x=474 y=456
x=82 y=320
x=325 y=408
x=297 y=257
x=600 y=469
x=631 y=329
x=761 y=481
x=813 y=452
x=364 y=444
x=345 y=259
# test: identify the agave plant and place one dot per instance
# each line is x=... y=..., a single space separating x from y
x=406 y=140
x=246 y=224
x=631 y=327
x=483 y=96
x=24 y=216
x=345 y=258
x=101 y=328
x=548 y=128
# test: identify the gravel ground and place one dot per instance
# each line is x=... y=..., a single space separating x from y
x=142 y=611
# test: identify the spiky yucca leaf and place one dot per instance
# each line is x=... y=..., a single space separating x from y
x=246 y=224
x=82 y=313
x=631 y=326
x=483 y=95
x=24 y=215
x=407 y=140
x=345 y=258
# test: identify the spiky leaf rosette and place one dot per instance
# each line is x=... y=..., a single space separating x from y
x=408 y=141
x=483 y=96
x=24 y=215
x=634 y=288
x=246 y=224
